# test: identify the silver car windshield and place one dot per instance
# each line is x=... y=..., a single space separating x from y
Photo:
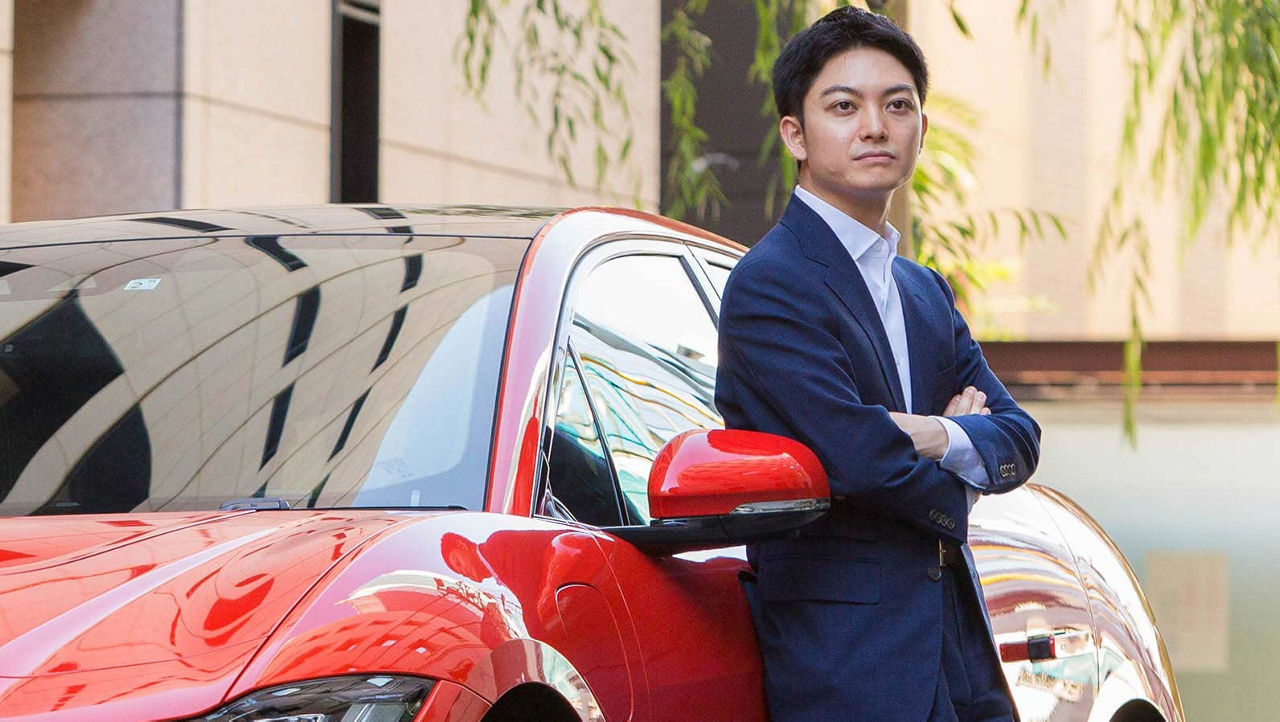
x=237 y=372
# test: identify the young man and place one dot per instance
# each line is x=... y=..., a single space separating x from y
x=874 y=612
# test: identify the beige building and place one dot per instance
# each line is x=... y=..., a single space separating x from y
x=132 y=105
x=1049 y=141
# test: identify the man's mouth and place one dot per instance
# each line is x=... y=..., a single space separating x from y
x=871 y=154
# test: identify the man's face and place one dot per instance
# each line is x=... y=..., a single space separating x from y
x=862 y=128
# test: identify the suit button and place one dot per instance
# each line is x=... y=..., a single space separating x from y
x=935 y=574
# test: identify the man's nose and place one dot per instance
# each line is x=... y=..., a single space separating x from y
x=873 y=126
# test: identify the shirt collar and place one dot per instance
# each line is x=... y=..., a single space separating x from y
x=855 y=237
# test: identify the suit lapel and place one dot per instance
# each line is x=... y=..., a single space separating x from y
x=921 y=349
x=846 y=281
x=819 y=243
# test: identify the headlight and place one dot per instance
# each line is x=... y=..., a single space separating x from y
x=381 y=698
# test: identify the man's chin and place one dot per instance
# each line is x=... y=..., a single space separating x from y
x=864 y=192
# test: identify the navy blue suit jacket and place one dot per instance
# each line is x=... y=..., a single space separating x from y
x=848 y=613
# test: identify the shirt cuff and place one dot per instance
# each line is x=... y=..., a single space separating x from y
x=961 y=458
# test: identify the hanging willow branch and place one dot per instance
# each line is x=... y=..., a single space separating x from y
x=946 y=232
x=569 y=65
x=1207 y=72
x=1220 y=113
x=691 y=183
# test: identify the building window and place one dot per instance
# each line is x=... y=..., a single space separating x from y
x=354 y=129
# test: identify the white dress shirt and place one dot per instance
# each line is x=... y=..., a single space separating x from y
x=873 y=255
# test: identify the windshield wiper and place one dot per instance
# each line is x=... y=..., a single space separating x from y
x=257 y=502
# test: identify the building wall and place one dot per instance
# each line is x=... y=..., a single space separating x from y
x=1049 y=141
x=95 y=107
x=255 y=107
x=440 y=144
x=6 y=107
x=135 y=105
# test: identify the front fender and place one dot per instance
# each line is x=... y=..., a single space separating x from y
x=428 y=599
x=520 y=661
x=1133 y=663
x=1122 y=686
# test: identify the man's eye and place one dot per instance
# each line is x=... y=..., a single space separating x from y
x=843 y=106
x=900 y=104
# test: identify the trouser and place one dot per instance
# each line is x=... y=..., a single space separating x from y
x=970 y=686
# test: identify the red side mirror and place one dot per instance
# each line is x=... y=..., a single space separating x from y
x=707 y=473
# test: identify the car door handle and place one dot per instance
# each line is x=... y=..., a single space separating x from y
x=1039 y=647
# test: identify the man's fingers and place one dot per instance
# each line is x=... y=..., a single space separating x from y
x=968 y=401
x=964 y=402
x=952 y=406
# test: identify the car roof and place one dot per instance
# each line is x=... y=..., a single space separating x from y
x=450 y=220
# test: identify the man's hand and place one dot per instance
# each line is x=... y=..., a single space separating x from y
x=969 y=401
x=927 y=433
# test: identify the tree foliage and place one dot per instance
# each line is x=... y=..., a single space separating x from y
x=1206 y=71
x=690 y=185
x=581 y=56
x=946 y=231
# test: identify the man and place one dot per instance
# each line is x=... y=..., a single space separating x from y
x=874 y=611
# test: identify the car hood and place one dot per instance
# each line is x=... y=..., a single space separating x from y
x=87 y=600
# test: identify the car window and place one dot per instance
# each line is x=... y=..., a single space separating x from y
x=580 y=480
x=425 y=453
x=314 y=371
x=719 y=276
x=648 y=348
x=716 y=267
x=651 y=298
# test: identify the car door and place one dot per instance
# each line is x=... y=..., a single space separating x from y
x=639 y=368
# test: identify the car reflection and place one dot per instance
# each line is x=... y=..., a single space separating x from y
x=297 y=381
x=1032 y=589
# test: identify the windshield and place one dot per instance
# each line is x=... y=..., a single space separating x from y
x=206 y=373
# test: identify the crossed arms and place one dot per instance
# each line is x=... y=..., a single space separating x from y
x=778 y=345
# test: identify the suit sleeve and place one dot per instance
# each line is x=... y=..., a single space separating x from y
x=773 y=341
x=1009 y=439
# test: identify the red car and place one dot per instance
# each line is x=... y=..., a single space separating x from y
x=456 y=463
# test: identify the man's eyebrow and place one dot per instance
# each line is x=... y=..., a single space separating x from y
x=841 y=89
x=891 y=90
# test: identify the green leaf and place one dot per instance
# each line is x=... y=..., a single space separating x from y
x=961 y=25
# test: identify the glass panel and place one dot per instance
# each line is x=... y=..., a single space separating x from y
x=719 y=276
x=181 y=374
x=580 y=477
x=647 y=347
x=430 y=450
x=652 y=298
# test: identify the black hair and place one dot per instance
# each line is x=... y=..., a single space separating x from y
x=841 y=29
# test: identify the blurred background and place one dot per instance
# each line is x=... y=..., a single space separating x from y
x=1090 y=216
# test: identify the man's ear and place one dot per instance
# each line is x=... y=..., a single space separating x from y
x=792 y=132
x=924 y=128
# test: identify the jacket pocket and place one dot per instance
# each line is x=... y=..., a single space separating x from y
x=839 y=524
x=819 y=579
